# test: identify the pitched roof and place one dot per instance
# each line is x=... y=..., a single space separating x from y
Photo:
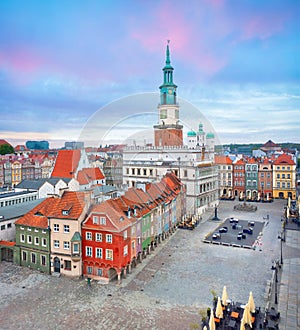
x=37 y=217
x=223 y=160
x=73 y=203
x=2 y=142
x=66 y=163
x=118 y=220
x=7 y=243
x=269 y=144
x=87 y=175
x=16 y=211
x=284 y=159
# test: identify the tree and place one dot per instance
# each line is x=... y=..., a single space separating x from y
x=6 y=149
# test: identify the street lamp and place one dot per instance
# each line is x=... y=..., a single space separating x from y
x=280 y=236
x=275 y=267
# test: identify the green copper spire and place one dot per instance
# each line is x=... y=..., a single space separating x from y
x=168 y=88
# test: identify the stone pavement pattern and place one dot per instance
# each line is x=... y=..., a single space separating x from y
x=166 y=291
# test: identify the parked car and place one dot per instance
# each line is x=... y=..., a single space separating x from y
x=233 y=220
x=223 y=229
x=248 y=231
x=216 y=236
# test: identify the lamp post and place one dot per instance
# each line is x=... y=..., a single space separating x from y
x=275 y=267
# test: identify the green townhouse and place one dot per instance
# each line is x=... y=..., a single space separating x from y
x=32 y=247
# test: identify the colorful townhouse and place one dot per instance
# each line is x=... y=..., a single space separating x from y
x=32 y=247
x=106 y=242
x=65 y=220
x=284 y=177
x=265 y=180
x=251 y=179
x=120 y=232
x=225 y=179
x=239 y=179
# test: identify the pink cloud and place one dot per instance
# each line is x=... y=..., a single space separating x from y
x=188 y=40
x=263 y=27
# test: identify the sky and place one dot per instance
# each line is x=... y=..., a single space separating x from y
x=69 y=68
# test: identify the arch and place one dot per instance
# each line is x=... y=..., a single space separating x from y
x=56 y=265
x=7 y=254
x=112 y=274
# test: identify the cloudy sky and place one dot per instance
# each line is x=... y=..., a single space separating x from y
x=67 y=66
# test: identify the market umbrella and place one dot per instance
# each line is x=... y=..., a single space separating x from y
x=251 y=303
x=247 y=317
x=212 y=325
x=224 y=296
x=242 y=327
x=219 y=310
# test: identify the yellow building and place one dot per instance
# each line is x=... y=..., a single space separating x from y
x=16 y=173
x=284 y=177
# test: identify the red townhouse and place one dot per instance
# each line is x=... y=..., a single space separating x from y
x=106 y=252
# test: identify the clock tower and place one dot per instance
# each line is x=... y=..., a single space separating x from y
x=168 y=132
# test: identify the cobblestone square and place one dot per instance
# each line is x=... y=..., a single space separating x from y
x=165 y=291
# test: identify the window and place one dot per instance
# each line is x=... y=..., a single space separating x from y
x=278 y=176
x=66 y=228
x=283 y=184
x=185 y=173
x=88 y=236
x=56 y=227
x=278 y=184
x=99 y=253
x=36 y=241
x=288 y=185
x=44 y=242
x=95 y=219
x=56 y=244
x=8 y=225
x=109 y=254
x=22 y=238
x=75 y=248
x=144 y=171
x=288 y=176
x=98 y=237
x=28 y=229
x=29 y=239
x=33 y=258
x=89 y=269
x=88 y=251
x=24 y=256
x=102 y=221
x=108 y=238
x=132 y=245
x=66 y=245
x=125 y=250
x=67 y=264
x=283 y=176
x=43 y=260
x=99 y=272
x=151 y=172
x=125 y=234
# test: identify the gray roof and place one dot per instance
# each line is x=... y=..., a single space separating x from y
x=31 y=184
x=100 y=190
x=15 y=194
x=16 y=211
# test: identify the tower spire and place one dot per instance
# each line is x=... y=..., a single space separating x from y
x=168 y=61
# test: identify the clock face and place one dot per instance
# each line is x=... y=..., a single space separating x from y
x=170 y=91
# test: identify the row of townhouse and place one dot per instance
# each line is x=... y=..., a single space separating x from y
x=15 y=168
x=69 y=235
x=256 y=178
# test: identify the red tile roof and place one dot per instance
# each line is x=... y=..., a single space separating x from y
x=284 y=159
x=38 y=216
x=223 y=160
x=7 y=243
x=88 y=175
x=66 y=164
x=53 y=207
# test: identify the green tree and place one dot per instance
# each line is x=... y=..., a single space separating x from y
x=6 y=149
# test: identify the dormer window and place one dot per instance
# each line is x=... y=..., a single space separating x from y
x=67 y=209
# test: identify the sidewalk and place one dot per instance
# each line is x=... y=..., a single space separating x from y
x=289 y=292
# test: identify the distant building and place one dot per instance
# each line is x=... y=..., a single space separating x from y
x=37 y=145
x=74 y=145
